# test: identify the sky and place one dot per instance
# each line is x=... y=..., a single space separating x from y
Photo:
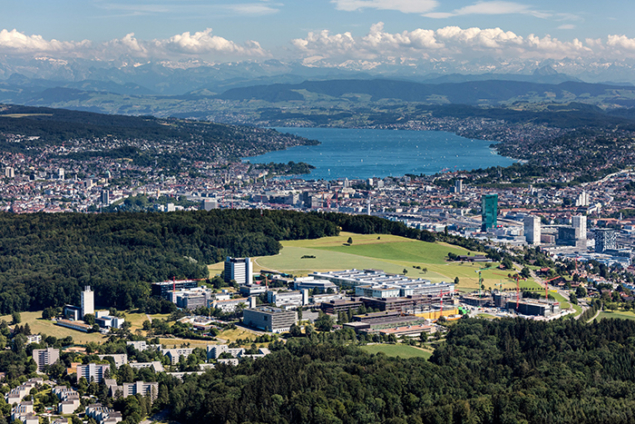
x=331 y=32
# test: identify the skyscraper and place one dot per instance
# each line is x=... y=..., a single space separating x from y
x=579 y=223
x=489 y=213
x=605 y=240
x=458 y=186
x=532 y=230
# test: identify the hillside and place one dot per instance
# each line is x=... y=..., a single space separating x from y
x=146 y=139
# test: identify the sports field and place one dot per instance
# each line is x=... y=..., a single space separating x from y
x=400 y=350
x=389 y=253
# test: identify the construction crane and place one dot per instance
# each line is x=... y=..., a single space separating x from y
x=480 y=278
x=547 y=287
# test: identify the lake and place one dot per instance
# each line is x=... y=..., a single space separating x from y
x=366 y=153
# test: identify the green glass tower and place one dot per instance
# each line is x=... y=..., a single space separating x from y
x=489 y=205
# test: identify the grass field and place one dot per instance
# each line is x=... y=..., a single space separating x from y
x=389 y=253
x=616 y=314
x=400 y=350
x=38 y=325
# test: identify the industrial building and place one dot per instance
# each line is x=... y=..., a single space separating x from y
x=266 y=318
x=239 y=270
x=489 y=211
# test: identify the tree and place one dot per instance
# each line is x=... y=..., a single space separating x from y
x=350 y=240
x=456 y=281
x=525 y=273
x=324 y=322
x=580 y=292
x=89 y=319
x=16 y=318
x=295 y=330
x=423 y=337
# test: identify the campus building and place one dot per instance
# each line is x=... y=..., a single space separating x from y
x=271 y=319
x=239 y=269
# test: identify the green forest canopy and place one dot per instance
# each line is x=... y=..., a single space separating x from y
x=45 y=259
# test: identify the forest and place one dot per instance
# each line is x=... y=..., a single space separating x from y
x=46 y=259
x=501 y=371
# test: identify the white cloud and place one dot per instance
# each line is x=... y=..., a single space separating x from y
x=18 y=42
x=405 y=6
x=204 y=42
x=490 y=8
x=567 y=26
x=446 y=43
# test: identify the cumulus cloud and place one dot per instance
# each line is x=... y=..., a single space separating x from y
x=440 y=44
x=17 y=42
x=405 y=6
x=202 y=43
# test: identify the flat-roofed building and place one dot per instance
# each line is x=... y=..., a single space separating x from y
x=341 y=305
x=292 y=299
x=312 y=283
x=163 y=289
x=119 y=358
x=266 y=318
x=239 y=270
x=92 y=372
x=45 y=357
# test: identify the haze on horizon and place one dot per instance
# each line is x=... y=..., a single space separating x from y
x=426 y=35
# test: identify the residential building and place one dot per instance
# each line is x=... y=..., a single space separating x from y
x=33 y=338
x=45 y=357
x=9 y=172
x=175 y=354
x=239 y=270
x=119 y=358
x=142 y=346
x=92 y=372
x=271 y=319
x=103 y=414
x=155 y=365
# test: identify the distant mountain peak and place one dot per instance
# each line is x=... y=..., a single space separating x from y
x=545 y=71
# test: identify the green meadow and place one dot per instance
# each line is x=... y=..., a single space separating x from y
x=390 y=253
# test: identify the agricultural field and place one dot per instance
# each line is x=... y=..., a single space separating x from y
x=389 y=253
x=400 y=350
x=42 y=326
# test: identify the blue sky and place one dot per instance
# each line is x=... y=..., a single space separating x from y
x=360 y=30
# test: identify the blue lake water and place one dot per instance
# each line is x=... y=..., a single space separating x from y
x=365 y=153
